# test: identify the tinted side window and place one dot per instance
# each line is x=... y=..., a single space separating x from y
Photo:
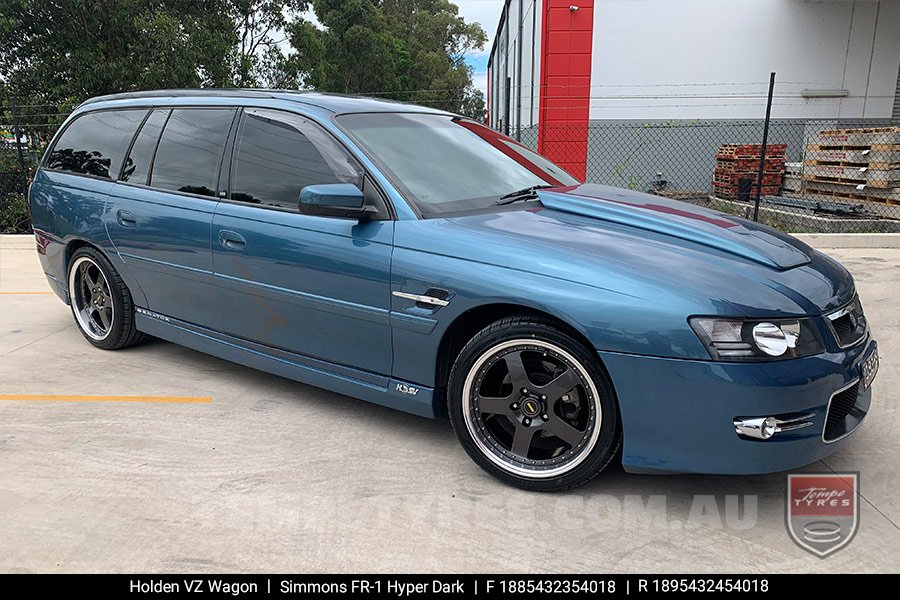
x=95 y=143
x=277 y=154
x=187 y=159
x=137 y=165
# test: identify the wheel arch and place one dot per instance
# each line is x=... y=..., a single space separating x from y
x=470 y=322
x=71 y=247
x=74 y=244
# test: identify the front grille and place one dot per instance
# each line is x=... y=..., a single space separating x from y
x=848 y=324
x=840 y=407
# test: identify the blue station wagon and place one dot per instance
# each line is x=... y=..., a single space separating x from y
x=420 y=260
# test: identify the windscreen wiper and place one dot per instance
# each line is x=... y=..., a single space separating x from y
x=523 y=194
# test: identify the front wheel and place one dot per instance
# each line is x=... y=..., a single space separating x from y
x=532 y=406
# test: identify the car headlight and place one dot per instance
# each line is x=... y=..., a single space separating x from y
x=757 y=339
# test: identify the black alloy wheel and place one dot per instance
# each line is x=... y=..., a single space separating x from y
x=532 y=406
x=101 y=302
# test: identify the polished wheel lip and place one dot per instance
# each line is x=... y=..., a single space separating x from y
x=491 y=453
x=81 y=307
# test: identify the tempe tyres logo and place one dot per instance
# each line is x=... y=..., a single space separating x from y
x=822 y=512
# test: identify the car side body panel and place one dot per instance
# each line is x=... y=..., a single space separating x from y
x=315 y=286
x=163 y=240
x=378 y=389
x=67 y=210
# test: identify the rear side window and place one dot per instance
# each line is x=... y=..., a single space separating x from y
x=190 y=150
x=278 y=153
x=95 y=143
x=137 y=165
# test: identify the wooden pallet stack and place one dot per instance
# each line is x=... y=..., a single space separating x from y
x=735 y=162
x=854 y=164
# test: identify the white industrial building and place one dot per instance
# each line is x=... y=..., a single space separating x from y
x=565 y=63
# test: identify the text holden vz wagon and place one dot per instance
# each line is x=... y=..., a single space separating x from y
x=420 y=260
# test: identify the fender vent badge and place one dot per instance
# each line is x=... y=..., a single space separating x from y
x=423 y=299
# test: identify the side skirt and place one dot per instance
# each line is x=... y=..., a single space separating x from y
x=378 y=389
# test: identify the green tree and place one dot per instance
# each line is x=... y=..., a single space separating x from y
x=54 y=53
x=437 y=41
x=259 y=32
x=411 y=50
x=354 y=53
x=57 y=51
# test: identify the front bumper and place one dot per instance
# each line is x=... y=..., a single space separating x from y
x=678 y=415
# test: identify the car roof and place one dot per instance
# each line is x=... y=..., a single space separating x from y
x=336 y=103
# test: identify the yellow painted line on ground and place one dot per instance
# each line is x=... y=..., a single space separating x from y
x=26 y=293
x=68 y=398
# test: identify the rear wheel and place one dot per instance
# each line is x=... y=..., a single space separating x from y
x=100 y=301
x=532 y=406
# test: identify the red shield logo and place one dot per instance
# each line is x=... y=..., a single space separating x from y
x=822 y=510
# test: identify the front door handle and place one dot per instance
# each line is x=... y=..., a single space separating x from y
x=231 y=240
x=125 y=218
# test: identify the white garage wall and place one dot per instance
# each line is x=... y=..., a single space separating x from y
x=710 y=59
x=504 y=63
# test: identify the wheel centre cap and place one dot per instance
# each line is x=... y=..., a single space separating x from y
x=531 y=407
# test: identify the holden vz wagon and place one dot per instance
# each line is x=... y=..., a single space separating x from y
x=422 y=261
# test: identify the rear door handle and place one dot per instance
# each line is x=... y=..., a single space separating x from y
x=231 y=240
x=125 y=218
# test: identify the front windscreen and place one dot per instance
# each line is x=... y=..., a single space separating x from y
x=445 y=164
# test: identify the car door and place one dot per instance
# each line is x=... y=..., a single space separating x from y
x=161 y=210
x=312 y=285
x=73 y=183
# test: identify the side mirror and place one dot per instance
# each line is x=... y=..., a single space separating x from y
x=334 y=200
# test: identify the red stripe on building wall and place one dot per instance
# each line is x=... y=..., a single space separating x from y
x=564 y=110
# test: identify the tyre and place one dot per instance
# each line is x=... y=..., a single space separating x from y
x=100 y=301
x=532 y=406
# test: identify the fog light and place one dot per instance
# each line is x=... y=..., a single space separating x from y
x=763 y=428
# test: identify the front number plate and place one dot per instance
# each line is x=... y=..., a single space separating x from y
x=869 y=367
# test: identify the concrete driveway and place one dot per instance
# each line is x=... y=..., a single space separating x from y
x=271 y=475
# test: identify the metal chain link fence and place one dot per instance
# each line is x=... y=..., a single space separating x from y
x=25 y=131
x=819 y=176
